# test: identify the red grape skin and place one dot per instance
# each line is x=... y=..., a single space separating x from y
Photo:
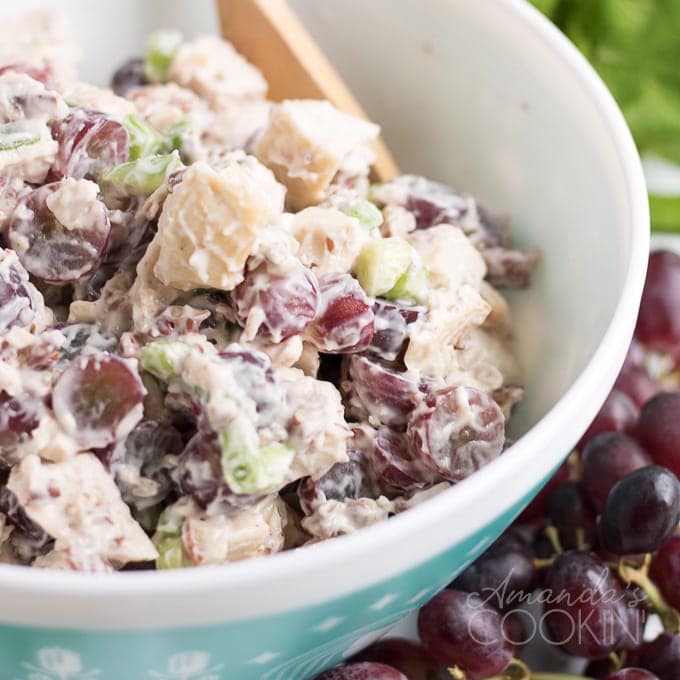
x=636 y=383
x=379 y=393
x=18 y=418
x=594 y=620
x=632 y=674
x=287 y=302
x=89 y=143
x=54 y=252
x=17 y=303
x=460 y=629
x=659 y=429
x=363 y=671
x=641 y=512
x=665 y=570
x=536 y=509
x=390 y=339
x=128 y=76
x=504 y=573
x=345 y=321
x=406 y=656
x=658 y=324
x=635 y=356
x=661 y=656
x=618 y=414
x=569 y=511
x=457 y=431
x=97 y=398
x=607 y=459
x=394 y=464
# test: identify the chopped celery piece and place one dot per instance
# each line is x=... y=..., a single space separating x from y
x=177 y=133
x=171 y=553
x=160 y=50
x=381 y=263
x=412 y=287
x=12 y=137
x=367 y=213
x=141 y=177
x=144 y=140
x=247 y=467
x=163 y=358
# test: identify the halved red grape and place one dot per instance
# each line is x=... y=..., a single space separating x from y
x=379 y=394
x=618 y=414
x=607 y=459
x=53 y=251
x=641 y=512
x=362 y=671
x=460 y=629
x=282 y=304
x=390 y=339
x=17 y=296
x=658 y=324
x=19 y=416
x=659 y=429
x=406 y=656
x=394 y=464
x=89 y=143
x=137 y=463
x=350 y=480
x=39 y=73
x=255 y=375
x=587 y=613
x=456 y=431
x=98 y=399
x=29 y=539
x=636 y=383
x=345 y=320
x=665 y=570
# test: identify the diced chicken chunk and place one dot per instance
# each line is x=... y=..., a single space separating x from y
x=79 y=505
x=307 y=142
x=210 y=223
x=165 y=105
x=213 y=69
x=330 y=241
x=244 y=533
x=99 y=99
x=336 y=518
x=318 y=432
x=450 y=257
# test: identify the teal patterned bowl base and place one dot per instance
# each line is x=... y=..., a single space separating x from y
x=294 y=645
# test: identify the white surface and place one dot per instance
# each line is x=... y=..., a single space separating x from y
x=490 y=97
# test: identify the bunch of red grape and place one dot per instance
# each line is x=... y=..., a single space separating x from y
x=598 y=548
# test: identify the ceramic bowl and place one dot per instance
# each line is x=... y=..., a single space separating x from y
x=489 y=97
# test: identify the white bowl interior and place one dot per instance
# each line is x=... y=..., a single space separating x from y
x=480 y=96
x=494 y=127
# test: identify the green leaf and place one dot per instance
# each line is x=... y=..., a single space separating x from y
x=665 y=213
x=635 y=47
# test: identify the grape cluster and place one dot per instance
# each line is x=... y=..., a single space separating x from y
x=599 y=546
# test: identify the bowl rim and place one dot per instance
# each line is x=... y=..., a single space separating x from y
x=608 y=355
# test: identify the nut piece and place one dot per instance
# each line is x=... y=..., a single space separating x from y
x=210 y=223
x=306 y=143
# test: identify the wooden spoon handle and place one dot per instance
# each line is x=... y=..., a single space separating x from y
x=269 y=35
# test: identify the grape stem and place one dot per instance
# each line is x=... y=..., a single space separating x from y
x=518 y=670
x=670 y=618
